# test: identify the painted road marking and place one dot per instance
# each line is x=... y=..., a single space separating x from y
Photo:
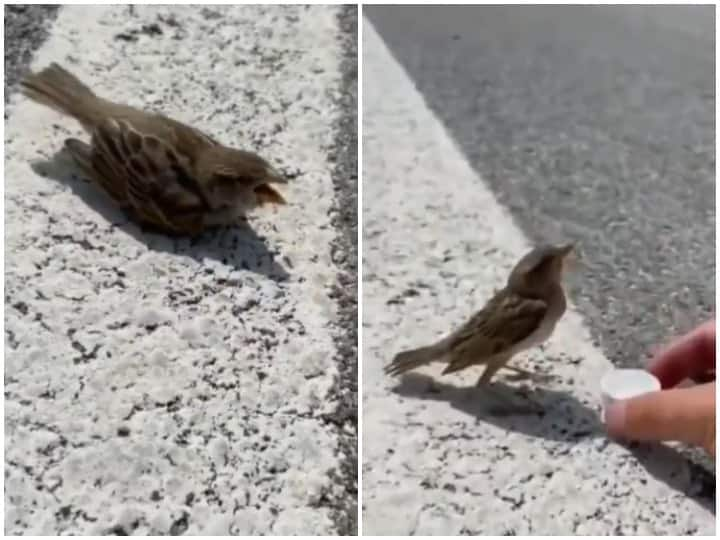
x=151 y=386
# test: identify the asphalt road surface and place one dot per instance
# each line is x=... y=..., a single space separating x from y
x=486 y=130
x=162 y=386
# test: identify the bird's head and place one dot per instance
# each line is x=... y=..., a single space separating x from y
x=541 y=267
x=231 y=175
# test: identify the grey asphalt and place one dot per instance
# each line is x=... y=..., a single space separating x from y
x=25 y=31
x=345 y=256
x=594 y=124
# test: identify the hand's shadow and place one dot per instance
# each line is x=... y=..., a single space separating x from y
x=558 y=416
x=239 y=246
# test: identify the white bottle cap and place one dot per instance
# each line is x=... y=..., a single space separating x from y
x=619 y=384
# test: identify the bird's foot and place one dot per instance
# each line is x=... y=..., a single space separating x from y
x=524 y=374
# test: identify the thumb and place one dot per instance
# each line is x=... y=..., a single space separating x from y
x=679 y=414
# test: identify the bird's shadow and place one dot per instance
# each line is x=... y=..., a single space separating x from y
x=239 y=247
x=558 y=416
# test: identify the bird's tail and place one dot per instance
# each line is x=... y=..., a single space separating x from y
x=407 y=360
x=57 y=88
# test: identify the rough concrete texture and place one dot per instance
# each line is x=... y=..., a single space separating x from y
x=438 y=458
x=162 y=386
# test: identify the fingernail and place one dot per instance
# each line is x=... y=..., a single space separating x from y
x=615 y=418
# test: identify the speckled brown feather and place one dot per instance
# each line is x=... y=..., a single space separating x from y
x=518 y=316
x=506 y=320
x=162 y=169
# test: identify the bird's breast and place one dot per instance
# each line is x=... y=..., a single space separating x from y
x=556 y=308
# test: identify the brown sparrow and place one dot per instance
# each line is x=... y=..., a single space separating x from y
x=169 y=175
x=516 y=318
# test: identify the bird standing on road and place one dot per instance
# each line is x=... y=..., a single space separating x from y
x=516 y=318
x=168 y=174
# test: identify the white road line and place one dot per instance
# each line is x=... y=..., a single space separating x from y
x=434 y=461
x=126 y=406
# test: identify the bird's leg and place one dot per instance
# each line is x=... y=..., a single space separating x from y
x=490 y=370
x=484 y=380
x=508 y=406
x=527 y=374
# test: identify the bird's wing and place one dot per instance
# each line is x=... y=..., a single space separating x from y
x=154 y=175
x=505 y=321
x=185 y=138
x=188 y=141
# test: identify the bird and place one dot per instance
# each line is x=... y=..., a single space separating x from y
x=166 y=174
x=518 y=317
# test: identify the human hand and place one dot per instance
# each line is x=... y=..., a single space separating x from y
x=674 y=414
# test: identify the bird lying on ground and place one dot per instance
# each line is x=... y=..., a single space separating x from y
x=518 y=317
x=166 y=174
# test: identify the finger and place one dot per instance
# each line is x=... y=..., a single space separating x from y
x=679 y=414
x=688 y=356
